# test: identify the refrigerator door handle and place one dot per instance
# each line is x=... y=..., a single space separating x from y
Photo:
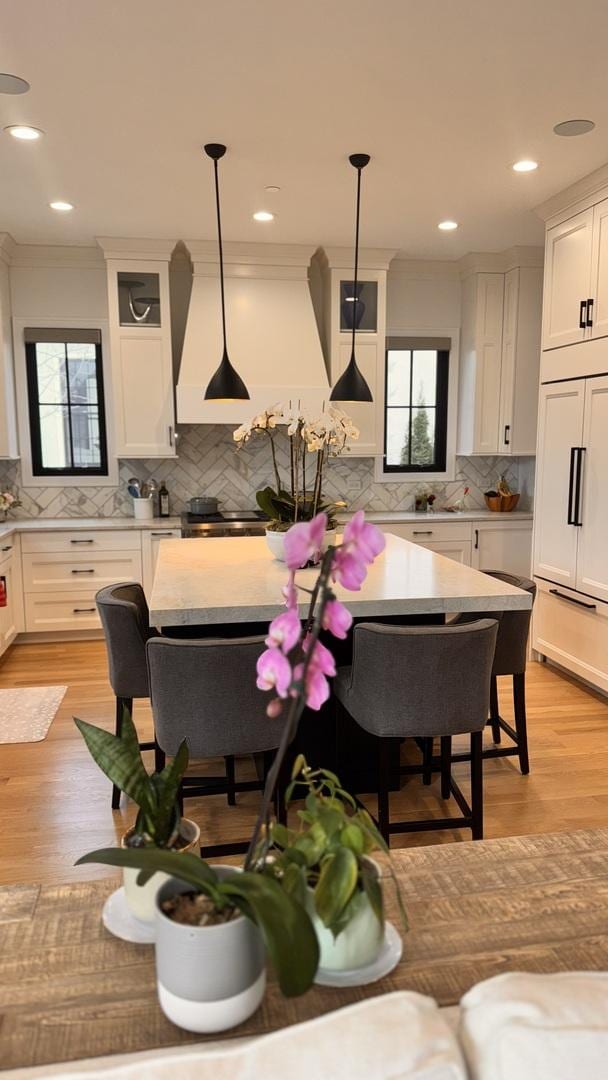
x=571 y=485
x=578 y=485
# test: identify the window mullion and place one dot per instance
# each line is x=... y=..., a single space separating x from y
x=69 y=405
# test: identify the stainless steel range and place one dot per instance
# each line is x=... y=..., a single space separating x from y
x=224 y=523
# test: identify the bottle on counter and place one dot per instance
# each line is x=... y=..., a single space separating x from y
x=163 y=501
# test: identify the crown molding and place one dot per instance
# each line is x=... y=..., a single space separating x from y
x=500 y=262
x=253 y=260
x=342 y=258
x=424 y=269
x=578 y=191
x=133 y=248
x=50 y=257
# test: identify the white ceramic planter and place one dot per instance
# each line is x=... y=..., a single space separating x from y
x=356 y=946
x=275 y=542
x=141 y=898
x=209 y=978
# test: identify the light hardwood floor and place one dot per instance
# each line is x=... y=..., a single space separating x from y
x=55 y=804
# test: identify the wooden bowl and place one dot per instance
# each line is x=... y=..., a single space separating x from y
x=501 y=504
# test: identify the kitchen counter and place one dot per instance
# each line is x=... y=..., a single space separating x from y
x=41 y=524
x=396 y=516
x=236 y=580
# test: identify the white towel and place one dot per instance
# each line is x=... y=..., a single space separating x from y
x=537 y=1027
x=391 y=1037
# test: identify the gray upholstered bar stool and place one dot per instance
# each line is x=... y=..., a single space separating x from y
x=422 y=682
x=124 y=615
x=509 y=659
x=205 y=691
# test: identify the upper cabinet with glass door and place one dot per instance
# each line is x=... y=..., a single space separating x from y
x=140 y=336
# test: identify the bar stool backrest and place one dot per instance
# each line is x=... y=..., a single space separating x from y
x=124 y=615
x=513 y=628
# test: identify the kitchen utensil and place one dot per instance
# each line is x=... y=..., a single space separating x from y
x=134 y=491
x=143 y=509
x=203 y=504
x=153 y=486
x=145 y=490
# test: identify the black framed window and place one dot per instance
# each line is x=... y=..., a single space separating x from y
x=416 y=405
x=66 y=402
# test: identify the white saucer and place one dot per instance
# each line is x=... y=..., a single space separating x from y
x=117 y=918
x=390 y=955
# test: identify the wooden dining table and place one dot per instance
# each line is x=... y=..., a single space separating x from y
x=69 y=990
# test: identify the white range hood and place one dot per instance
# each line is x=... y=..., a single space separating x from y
x=273 y=339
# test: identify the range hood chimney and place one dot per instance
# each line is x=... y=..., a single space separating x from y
x=273 y=338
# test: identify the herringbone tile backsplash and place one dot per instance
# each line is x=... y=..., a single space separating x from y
x=209 y=464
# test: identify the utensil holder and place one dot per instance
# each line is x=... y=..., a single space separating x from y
x=143 y=509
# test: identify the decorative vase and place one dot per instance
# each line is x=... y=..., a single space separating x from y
x=421 y=504
x=275 y=541
x=141 y=898
x=209 y=978
x=352 y=310
x=356 y=946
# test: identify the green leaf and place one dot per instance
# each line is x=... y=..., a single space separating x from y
x=369 y=827
x=336 y=885
x=285 y=926
x=373 y=889
x=331 y=820
x=294 y=882
x=281 y=835
x=312 y=844
x=182 y=865
x=298 y=765
x=120 y=761
x=352 y=837
x=166 y=785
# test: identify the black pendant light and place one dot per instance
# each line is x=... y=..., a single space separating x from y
x=351 y=386
x=225 y=384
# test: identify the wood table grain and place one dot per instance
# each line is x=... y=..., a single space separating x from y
x=68 y=989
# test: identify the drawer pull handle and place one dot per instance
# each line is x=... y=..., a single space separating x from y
x=162 y=534
x=589 y=319
x=476 y=539
x=582 y=314
x=83 y=571
x=82 y=541
x=422 y=532
x=571 y=600
x=8 y=548
x=84 y=610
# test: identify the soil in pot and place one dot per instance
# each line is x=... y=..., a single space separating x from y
x=194 y=909
x=140 y=898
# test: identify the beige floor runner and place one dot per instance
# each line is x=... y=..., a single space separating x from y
x=27 y=713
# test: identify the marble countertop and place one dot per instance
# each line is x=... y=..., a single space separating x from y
x=232 y=580
x=41 y=524
x=396 y=516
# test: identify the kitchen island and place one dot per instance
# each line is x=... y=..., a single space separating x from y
x=236 y=580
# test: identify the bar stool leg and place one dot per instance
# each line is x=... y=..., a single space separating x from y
x=427 y=761
x=477 y=784
x=519 y=704
x=446 y=765
x=120 y=704
x=159 y=758
x=494 y=713
x=230 y=777
x=383 y=788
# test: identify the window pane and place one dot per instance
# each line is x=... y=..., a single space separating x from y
x=50 y=372
x=398 y=376
x=85 y=437
x=54 y=437
x=423 y=436
x=424 y=383
x=82 y=374
x=397 y=436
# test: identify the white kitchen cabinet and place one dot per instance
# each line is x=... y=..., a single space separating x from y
x=592 y=523
x=572 y=630
x=504 y=545
x=568 y=280
x=142 y=363
x=458 y=550
x=598 y=315
x=499 y=362
x=9 y=447
x=9 y=574
x=151 y=540
x=560 y=433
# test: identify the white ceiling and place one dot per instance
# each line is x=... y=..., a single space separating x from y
x=444 y=94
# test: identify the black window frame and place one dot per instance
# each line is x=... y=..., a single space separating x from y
x=38 y=469
x=442 y=383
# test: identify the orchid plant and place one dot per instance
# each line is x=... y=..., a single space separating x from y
x=296 y=665
x=326 y=436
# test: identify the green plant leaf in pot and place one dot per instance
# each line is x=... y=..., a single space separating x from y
x=119 y=760
x=337 y=883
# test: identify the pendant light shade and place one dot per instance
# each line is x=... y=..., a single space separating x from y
x=225 y=384
x=351 y=386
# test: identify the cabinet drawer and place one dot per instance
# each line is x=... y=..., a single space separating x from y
x=571 y=634
x=6 y=552
x=59 y=571
x=430 y=531
x=61 y=611
x=458 y=550
x=79 y=541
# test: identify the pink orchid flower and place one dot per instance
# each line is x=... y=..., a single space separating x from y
x=362 y=538
x=304 y=541
x=321 y=659
x=284 y=632
x=337 y=619
x=349 y=570
x=290 y=592
x=274 y=672
x=317 y=686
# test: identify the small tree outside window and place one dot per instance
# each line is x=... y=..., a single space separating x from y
x=416 y=405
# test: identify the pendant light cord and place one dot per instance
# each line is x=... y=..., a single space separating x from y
x=356 y=298
x=219 y=236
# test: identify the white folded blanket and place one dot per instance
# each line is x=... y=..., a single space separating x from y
x=391 y=1037
x=537 y=1027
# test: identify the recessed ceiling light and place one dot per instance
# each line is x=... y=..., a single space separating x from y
x=272 y=189
x=447 y=226
x=263 y=215
x=24 y=132
x=59 y=204
x=525 y=165
x=12 y=84
x=574 y=127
